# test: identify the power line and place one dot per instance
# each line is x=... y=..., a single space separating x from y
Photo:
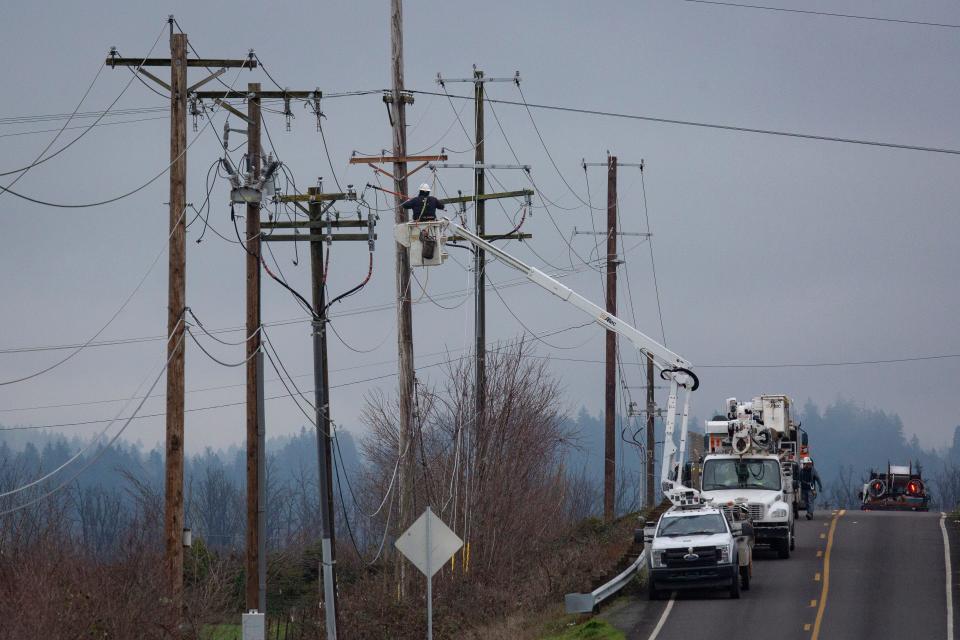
x=798 y=365
x=99 y=124
x=653 y=264
x=449 y=295
x=826 y=13
x=849 y=363
x=708 y=125
x=273 y=363
x=113 y=317
x=80 y=115
x=123 y=195
x=780 y=365
x=214 y=358
x=543 y=199
x=90 y=444
x=40 y=159
x=104 y=449
x=493 y=344
x=40 y=155
x=532 y=333
x=543 y=144
x=87 y=205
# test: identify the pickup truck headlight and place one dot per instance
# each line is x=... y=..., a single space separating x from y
x=778 y=513
x=726 y=554
x=656 y=559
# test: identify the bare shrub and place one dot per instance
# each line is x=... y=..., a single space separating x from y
x=85 y=577
x=498 y=482
x=947 y=487
x=843 y=492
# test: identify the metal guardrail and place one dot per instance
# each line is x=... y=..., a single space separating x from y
x=585 y=602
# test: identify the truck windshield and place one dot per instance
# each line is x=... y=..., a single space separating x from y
x=741 y=474
x=706 y=524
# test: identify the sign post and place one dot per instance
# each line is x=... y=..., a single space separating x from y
x=428 y=544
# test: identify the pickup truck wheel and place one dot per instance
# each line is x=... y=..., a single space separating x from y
x=745 y=578
x=735 y=587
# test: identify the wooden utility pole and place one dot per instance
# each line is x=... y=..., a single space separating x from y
x=320 y=231
x=651 y=440
x=479 y=263
x=177 y=293
x=610 y=383
x=479 y=255
x=176 y=305
x=322 y=418
x=404 y=309
x=255 y=599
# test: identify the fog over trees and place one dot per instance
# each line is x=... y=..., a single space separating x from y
x=846 y=441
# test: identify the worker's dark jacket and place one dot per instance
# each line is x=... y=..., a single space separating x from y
x=809 y=477
x=424 y=207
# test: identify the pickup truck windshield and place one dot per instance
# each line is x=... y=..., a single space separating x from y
x=706 y=524
x=741 y=474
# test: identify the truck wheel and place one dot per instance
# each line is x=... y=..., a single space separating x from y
x=783 y=549
x=745 y=578
x=735 y=587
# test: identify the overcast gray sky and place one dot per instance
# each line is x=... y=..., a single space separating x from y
x=768 y=249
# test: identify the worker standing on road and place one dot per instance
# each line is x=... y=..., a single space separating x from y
x=423 y=204
x=808 y=478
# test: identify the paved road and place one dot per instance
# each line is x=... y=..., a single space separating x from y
x=854 y=575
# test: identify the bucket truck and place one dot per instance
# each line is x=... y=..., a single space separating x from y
x=752 y=455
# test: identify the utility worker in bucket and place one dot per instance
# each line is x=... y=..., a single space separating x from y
x=423 y=204
x=809 y=484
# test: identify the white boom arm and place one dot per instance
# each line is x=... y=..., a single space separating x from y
x=672 y=366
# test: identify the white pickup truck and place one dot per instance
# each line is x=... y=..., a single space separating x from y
x=699 y=547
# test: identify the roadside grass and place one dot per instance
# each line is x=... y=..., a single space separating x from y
x=594 y=629
x=235 y=632
x=221 y=632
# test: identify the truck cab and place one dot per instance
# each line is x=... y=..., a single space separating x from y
x=699 y=546
x=758 y=481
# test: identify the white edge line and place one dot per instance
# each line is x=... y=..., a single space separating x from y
x=666 y=612
x=946 y=562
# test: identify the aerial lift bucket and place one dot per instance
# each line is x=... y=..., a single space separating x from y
x=424 y=241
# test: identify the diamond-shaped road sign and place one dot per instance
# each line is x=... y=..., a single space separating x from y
x=428 y=543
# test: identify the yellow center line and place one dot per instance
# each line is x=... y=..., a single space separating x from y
x=826 y=576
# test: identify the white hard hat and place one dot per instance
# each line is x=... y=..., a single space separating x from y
x=806 y=460
x=425 y=187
